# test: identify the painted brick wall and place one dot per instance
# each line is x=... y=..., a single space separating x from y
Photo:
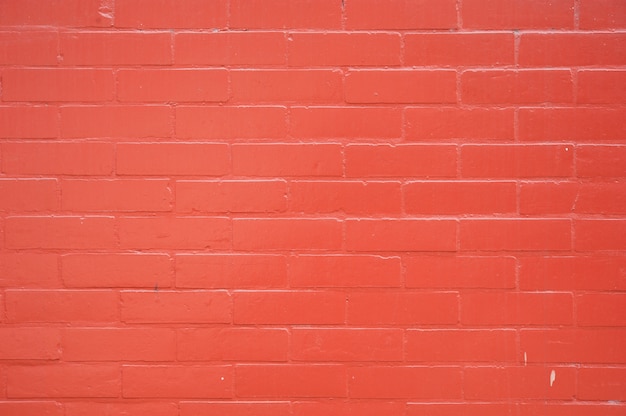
x=313 y=207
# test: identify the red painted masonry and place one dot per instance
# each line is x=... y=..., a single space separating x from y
x=313 y=207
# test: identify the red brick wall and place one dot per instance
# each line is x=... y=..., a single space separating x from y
x=312 y=207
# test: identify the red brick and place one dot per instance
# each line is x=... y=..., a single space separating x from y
x=64 y=380
x=168 y=14
x=117 y=344
x=405 y=382
x=116 y=48
x=548 y=197
x=25 y=195
x=208 y=122
x=287 y=234
x=31 y=408
x=345 y=122
x=231 y=196
x=532 y=382
x=515 y=234
x=285 y=14
x=289 y=307
x=400 y=161
x=571 y=49
x=232 y=344
x=290 y=381
x=601 y=86
x=30 y=344
x=602 y=14
x=58 y=158
x=176 y=307
x=116 y=195
x=603 y=161
x=517 y=161
x=109 y=409
x=230 y=48
x=116 y=270
x=400 y=86
x=402 y=308
x=459 y=49
x=446 y=123
x=401 y=14
x=601 y=384
x=60 y=232
x=571 y=409
x=459 y=272
x=338 y=344
x=28 y=48
x=238 y=408
x=279 y=86
x=516 y=308
x=400 y=235
x=577 y=124
x=37 y=270
x=138 y=121
x=343 y=49
x=464 y=346
x=518 y=87
x=165 y=381
x=348 y=408
x=79 y=13
x=344 y=271
x=465 y=408
x=287 y=159
x=460 y=197
x=159 y=159
x=601 y=198
x=518 y=14
x=601 y=309
x=592 y=235
x=19 y=122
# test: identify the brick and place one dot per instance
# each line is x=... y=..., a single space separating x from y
x=348 y=408
x=515 y=234
x=232 y=344
x=68 y=306
x=23 y=195
x=601 y=87
x=19 y=122
x=598 y=273
x=465 y=408
x=517 y=161
x=77 y=13
x=519 y=308
x=287 y=234
x=601 y=161
x=116 y=195
x=346 y=344
x=377 y=382
x=446 y=123
x=60 y=232
x=401 y=14
x=125 y=121
x=602 y=14
x=400 y=235
x=117 y=344
x=31 y=408
x=105 y=409
x=459 y=272
x=159 y=306
x=230 y=48
x=589 y=346
x=343 y=49
x=230 y=271
x=231 y=196
x=601 y=309
x=236 y=408
x=459 y=49
x=593 y=235
x=28 y=48
x=572 y=409
x=37 y=270
x=519 y=87
x=168 y=14
x=345 y=122
x=402 y=308
x=518 y=14
x=463 y=346
x=400 y=86
x=58 y=158
x=577 y=124
x=285 y=14
x=350 y=197
x=400 y=161
x=601 y=384
x=601 y=198
x=231 y=122
x=30 y=344
x=287 y=159
x=571 y=49
x=64 y=380
x=174 y=381
x=290 y=381
x=460 y=197
x=116 y=270
x=548 y=197
x=116 y=48
x=289 y=307
x=532 y=382
x=159 y=159
x=279 y=86
x=344 y=271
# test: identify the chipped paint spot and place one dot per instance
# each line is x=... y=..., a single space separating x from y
x=525 y=359
x=552 y=377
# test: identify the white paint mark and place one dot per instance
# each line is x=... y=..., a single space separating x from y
x=567 y=149
x=222 y=378
x=552 y=377
x=525 y=359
